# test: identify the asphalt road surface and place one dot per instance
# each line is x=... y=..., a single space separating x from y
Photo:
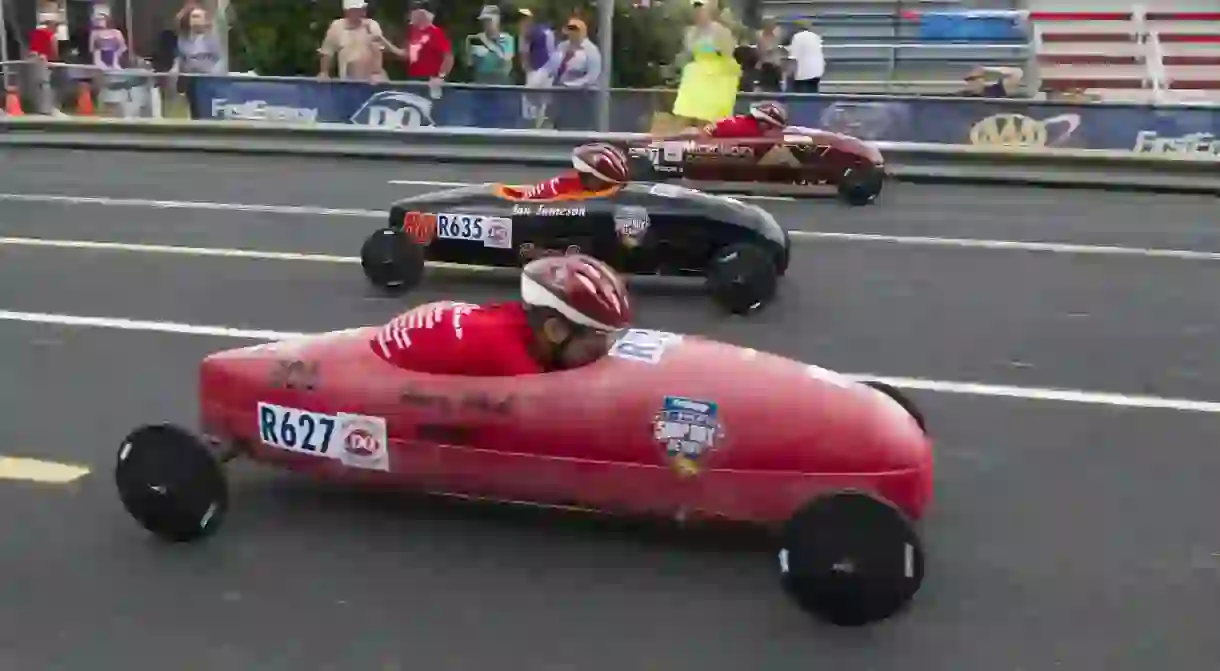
x=1068 y=533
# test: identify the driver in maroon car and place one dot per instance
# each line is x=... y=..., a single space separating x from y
x=569 y=310
x=765 y=119
x=598 y=167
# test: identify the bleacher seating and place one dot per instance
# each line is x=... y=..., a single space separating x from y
x=1166 y=56
x=906 y=47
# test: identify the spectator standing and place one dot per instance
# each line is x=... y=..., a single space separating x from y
x=491 y=53
x=770 y=41
x=575 y=65
x=427 y=50
x=44 y=51
x=537 y=42
x=711 y=73
x=706 y=35
x=1006 y=86
x=356 y=41
x=808 y=60
x=109 y=50
x=199 y=52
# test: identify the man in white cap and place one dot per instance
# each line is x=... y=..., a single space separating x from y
x=357 y=42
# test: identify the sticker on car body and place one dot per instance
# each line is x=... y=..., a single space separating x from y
x=358 y=441
x=494 y=232
x=631 y=222
x=643 y=345
x=688 y=430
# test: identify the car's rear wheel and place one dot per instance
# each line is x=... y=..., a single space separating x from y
x=850 y=559
x=742 y=278
x=861 y=185
x=902 y=400
x=171 y=484
x=391 y=260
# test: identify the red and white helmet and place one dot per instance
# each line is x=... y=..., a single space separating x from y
x=604 y=161
x=771 y=114
x=584 y=290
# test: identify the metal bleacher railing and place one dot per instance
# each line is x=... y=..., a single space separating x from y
x=1137 y=54
x=921 y=47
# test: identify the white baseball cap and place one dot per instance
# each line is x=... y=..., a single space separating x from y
x=489 y=12
x=354 y=4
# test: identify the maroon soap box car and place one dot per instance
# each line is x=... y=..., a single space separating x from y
x=798 y=162
x=664 y=425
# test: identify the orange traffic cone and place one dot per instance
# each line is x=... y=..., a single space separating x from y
x=84 y=100
x=12 y=102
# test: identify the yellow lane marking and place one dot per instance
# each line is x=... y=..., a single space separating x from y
x=37 y=470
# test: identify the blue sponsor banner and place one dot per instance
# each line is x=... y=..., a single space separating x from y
x=1012 y=123
x=960 y=121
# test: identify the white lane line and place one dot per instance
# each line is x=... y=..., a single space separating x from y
x=147 y=326
x=939 y=386
x=193 y=205
x=138 y=248
x=425 y=182
x=1052 y=247
x=919 y=241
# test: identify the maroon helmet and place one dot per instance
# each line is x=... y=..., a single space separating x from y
x=584 y=290
x=605 y=162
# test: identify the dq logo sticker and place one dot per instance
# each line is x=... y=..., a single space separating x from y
x=363 y=442
x=420 y=226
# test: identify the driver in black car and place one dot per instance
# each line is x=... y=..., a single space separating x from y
x=598 y=168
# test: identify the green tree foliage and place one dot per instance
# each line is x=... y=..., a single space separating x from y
x=277 y=37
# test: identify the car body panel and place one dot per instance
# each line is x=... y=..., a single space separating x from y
x=781 y=431
x=799 y=156
x=682 y=227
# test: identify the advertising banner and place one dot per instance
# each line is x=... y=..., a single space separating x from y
x=1185 y=130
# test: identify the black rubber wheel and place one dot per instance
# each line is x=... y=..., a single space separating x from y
x=170 y=483
x=742 y=278
x=391 y=260
x=902 y=400
x=851 y=559
x=861 y=186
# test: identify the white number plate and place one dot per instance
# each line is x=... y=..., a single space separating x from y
x=359 y=441
x=672 y=150
x=491 y=231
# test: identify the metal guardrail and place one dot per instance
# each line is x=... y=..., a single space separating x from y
x=905 y=161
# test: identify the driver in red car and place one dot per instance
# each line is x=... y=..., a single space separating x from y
x=569 y=310
x=765 y=119
x=597 y=167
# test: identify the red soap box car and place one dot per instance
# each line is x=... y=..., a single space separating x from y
x=796 y=163
x=664 y=425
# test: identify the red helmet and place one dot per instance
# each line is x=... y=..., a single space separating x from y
x=605 y=162
x=582 y=289
x=771 y=114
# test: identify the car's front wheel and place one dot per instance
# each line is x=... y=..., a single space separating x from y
x=391 y=260
x=861 y=185
x=171 y=484
x=742 y=278
x=850 y=559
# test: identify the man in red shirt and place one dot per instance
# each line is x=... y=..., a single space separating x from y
x=766 y=118
x=44 y=49
x=598 y=167
x=428 y=52
x=570 y=306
